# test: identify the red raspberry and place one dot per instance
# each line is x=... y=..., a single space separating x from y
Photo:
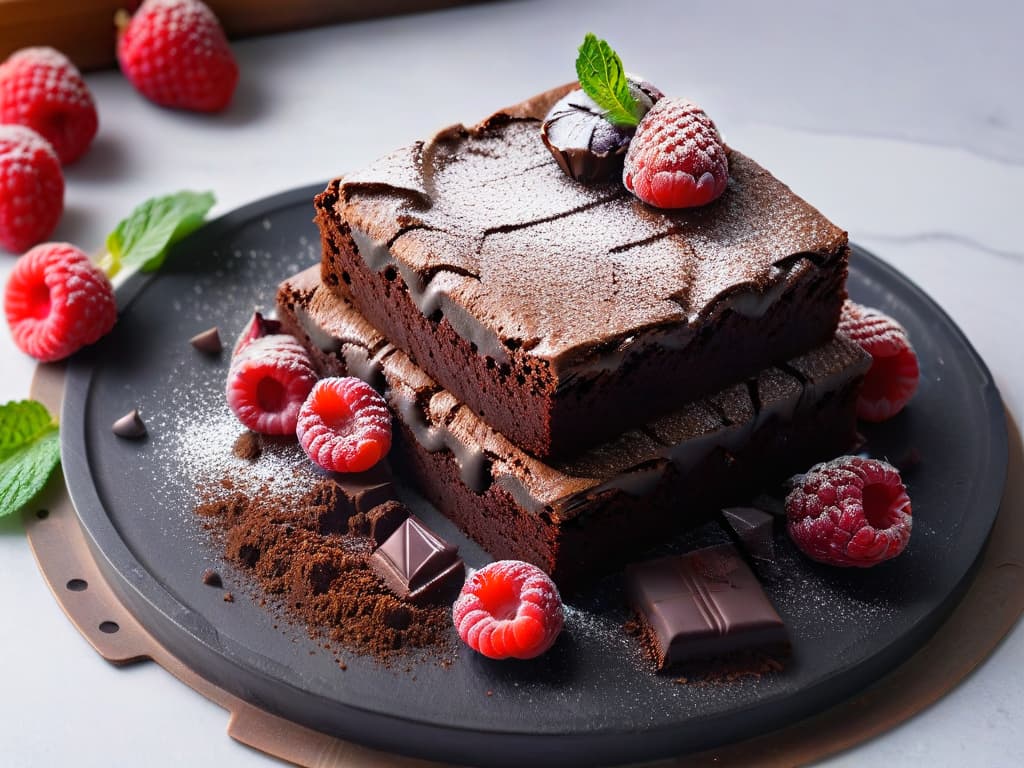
x=509 y=609
x=676 y=159
x=267 y=383
x=31 y=188
x=257 y=327
x=42 y=89
x=851 y=512
x=175 y=53
x=344 y=425
x=892 y=379
x=57 y=301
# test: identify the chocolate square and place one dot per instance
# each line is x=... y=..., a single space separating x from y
x=417 y=564
x=754 y=530
x=703 y=604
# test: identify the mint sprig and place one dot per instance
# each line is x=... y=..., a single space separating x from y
x=599 y=70
x=142 y=240
x=29 y=452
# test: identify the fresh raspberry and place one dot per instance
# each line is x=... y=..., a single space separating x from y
x=31 y=188
x=267 y=383
x=42 y=89
x=892 y=379
x=344 y=425
x=676 y=159
x=175 y=53
x=57 y=301
x=850 y=511
x=257 y=326
x=509 y=609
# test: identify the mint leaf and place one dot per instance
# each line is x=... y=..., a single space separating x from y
x=29 y=452
x=141 y=241
x=21 y=422
x=603 y=79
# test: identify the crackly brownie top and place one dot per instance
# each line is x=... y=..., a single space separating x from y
x=634 y=461
x=484 y=225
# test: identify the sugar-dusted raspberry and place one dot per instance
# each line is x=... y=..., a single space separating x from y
x=267 y=383
x=41 y=88
x=676 y=159
x=509 y=609
x=31 y=188
x=175 y=53
x=892 y=380
x=345 y=425
x=57 y=301
x=851 y=512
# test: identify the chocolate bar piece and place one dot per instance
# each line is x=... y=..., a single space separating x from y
x=417 y=564
x=703 y=604
x=754 y=530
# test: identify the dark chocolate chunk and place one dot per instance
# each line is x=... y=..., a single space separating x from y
x=208 y=341
x=340 y=497
x=212 y=579
x=129 y=426
x=703 y=604
x=365 y=491
x=754 y=530
x=384 y=519
x=228 y=597
x=416 y=564
x=586 y=146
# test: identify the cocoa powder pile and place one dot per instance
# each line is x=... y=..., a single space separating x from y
x=303 y=558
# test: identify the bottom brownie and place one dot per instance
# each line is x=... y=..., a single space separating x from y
x=582 y=518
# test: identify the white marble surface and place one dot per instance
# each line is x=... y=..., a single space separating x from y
x=902 y=121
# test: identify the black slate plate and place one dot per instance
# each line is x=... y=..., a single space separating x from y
x=593 y=699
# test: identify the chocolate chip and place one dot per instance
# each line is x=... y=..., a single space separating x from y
x=129 y=426
x=208 y=341
x=212 y=579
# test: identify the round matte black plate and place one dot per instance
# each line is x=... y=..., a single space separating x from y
x=593 y=699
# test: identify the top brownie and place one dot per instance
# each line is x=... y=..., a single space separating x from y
x=563 y=313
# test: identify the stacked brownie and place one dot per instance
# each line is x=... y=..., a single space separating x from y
x=575 y=374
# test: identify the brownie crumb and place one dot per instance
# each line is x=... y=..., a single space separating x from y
x=321 y=578
x=212 y=579
x=228 y=597
x=248 y=446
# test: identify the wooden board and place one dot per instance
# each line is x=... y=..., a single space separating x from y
x=992 y=605
x=84 y=29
